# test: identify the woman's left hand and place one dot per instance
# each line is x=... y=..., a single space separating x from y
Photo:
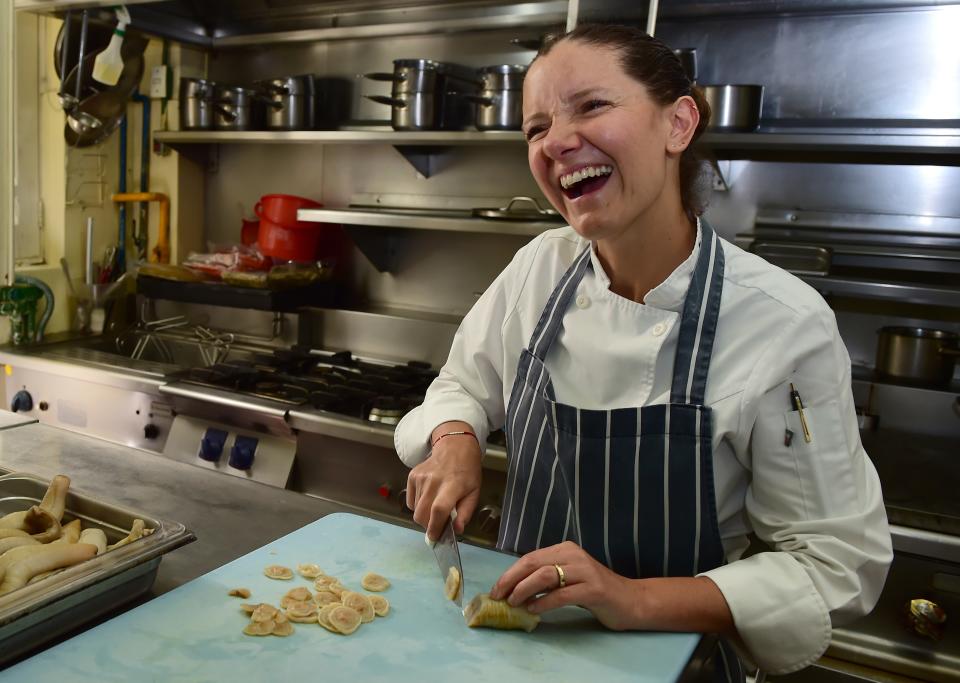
x=613 y=599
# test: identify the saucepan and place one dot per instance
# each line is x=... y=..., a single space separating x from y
x=734 y=108
x=917 y=355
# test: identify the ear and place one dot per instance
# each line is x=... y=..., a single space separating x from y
x=684 y=117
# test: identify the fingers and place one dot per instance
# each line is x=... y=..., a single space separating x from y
x=465 y=509
x=576 y=594
x=543 y=579
x=526 y=565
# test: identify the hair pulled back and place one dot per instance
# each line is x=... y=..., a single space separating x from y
x=653 y=64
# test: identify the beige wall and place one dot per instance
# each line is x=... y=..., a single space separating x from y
x=77 y=183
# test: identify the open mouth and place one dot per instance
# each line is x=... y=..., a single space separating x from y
x=584 y=181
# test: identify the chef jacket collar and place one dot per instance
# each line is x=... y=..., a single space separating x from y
x=669 y=294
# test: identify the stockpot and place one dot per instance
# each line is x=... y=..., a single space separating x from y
x=411 y=111
x=411 y=76
x=500 y=100
x=196 y=104
x=734 y=107
x=917 y=354
x=290 y=102
x=234 y=108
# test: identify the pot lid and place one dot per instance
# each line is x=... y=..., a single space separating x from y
x=424 y=64
x=519 y=209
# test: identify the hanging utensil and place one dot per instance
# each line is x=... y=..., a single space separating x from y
x=67 y=101
x=82 y=122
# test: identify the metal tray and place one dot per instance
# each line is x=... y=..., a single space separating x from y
x=39 y=612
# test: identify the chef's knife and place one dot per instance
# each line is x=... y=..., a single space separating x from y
x=447 y=553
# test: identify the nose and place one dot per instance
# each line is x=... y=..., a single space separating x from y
x=561 y=139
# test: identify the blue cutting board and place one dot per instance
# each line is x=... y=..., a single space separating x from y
x=194 y=633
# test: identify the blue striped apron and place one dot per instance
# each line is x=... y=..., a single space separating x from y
x=632 y=486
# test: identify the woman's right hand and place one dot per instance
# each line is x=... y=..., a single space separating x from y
x=449 y=478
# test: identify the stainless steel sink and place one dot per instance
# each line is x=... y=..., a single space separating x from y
x=153 y=352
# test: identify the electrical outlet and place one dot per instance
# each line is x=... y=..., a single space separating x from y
x=160 y=77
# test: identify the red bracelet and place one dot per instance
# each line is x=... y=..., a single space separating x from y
x=462 y=433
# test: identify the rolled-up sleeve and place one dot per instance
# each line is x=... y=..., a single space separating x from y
x=817 y=504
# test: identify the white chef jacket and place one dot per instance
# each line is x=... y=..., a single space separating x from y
x=818 y=505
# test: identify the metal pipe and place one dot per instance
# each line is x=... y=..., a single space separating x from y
x=88 y=264
x=64 y=52
x=144 y=218
x=122 y=228
x=161 y=251
x=652 y=16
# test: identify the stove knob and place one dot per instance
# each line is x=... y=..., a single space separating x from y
x=22 y=400
x=242 y=453
x=211 y=446
x=151 y=431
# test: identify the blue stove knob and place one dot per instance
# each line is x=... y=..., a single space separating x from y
x=22 y=400
x=211 y=445
x=242 y=453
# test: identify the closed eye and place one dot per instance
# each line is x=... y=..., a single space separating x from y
x=534 y=132
x=593 y=105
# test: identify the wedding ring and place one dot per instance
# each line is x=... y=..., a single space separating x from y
x=560 y=575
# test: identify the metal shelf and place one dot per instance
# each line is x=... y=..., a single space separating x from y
x=930 y=295
x=339 y=137
x=450 y=221
x=366 y=227
x=891 y=144
x=881 y=145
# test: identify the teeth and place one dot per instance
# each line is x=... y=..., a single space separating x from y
x=570 y=179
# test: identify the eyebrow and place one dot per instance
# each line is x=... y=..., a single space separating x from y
x=578 y=95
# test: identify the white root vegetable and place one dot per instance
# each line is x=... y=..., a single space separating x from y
x=485 y=611
x=48 y=558
x=136 y=532
x=16 y=542
x=13 y=521
x=41 y=524
x=95 y=537
x=70 y=533
x=374 y=582
x=381 y=606
x=11 y=533
x=55 y=499
x=359 y=603
x=452 y=587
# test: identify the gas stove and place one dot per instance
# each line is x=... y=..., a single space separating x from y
x=309 y=379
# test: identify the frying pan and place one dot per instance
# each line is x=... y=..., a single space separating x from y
x=98 y=103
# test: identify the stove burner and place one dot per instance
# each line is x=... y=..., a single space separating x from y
x=334 y=382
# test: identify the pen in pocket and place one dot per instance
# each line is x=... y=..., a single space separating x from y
x=798 y=406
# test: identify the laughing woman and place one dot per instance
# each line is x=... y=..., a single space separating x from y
x=646 y=373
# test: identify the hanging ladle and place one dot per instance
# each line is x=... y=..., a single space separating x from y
x=80 y=121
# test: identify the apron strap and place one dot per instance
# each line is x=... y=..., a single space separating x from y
x=552 y=315
x=698 y=322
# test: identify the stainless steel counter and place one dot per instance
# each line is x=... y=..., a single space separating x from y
x=229 y=516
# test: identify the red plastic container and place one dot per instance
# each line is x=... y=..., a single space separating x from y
x=289 y=244
x=281 y=209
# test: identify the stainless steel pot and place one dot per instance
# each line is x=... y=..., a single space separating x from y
x=411 y=111
x=500 y=101
x=196 y=103
x=917 y=354
x=688 y=58
x=233 y=108
x=734 y=108
x=290 y=103
x=411 y=76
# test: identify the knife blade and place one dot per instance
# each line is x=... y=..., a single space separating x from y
x=447 y=552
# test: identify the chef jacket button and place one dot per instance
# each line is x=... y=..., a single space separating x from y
x=659 y=329
x=583 y=301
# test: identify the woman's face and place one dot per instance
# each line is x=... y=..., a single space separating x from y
x=600 y=148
